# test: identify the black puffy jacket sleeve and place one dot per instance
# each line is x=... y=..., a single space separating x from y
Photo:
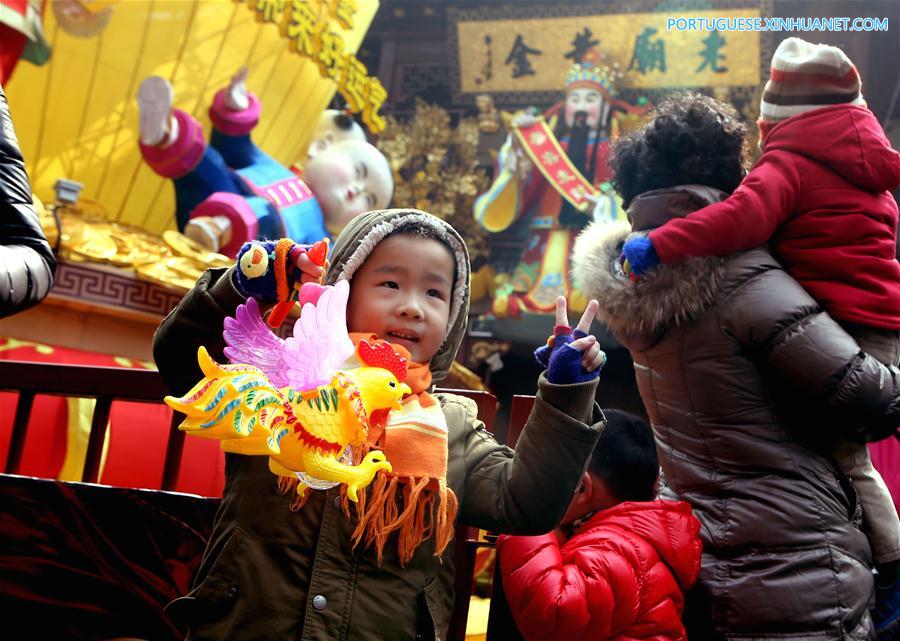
x=27 y=263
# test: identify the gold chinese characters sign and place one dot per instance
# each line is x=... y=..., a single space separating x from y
x=313 y=30
x=533 y=55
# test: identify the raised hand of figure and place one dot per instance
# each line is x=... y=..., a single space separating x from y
x=572 y=355
x=514 y=159
x=523 y=120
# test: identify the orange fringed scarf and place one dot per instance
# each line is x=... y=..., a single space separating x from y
x=412 y=500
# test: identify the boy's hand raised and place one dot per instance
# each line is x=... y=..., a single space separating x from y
x=584 y=342
x=309 y=271
x=572 y=356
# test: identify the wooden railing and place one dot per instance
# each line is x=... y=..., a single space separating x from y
x=106 y=384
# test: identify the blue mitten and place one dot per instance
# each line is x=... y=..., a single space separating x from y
x=641 y=254
x=255 y=270
x=563 y=362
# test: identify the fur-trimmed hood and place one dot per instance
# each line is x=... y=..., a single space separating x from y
x=638 y=312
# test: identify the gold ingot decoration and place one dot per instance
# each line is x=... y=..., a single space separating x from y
x=88 y=241
x=135 y=247
x=86 y=236
x=161 y=274
x=184 y=246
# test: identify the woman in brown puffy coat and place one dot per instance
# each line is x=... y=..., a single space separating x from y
x=747 y=383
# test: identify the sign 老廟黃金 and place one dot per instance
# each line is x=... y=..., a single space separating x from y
x=533 y=55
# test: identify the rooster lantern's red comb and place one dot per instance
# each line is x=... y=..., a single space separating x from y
x=382 y=355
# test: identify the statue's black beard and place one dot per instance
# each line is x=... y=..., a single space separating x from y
x=578 y=143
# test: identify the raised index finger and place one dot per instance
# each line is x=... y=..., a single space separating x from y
x=562 y=315
x=588 y=317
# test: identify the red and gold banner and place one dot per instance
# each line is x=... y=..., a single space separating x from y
x=543 y=148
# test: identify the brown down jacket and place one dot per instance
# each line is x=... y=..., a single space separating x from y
x=748 y=383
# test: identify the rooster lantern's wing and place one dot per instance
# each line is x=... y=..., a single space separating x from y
x=310 y=357
x=287 y=399
x=250 y=341
x=320 y=343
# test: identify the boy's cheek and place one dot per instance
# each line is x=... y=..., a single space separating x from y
x=364 y=313
x=355 y=309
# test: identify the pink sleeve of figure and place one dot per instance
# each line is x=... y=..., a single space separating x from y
x=234 y=122
x=746 y=219
x=886 y=459
x=179 y=158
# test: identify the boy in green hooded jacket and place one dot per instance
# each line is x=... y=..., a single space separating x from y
x=316 y=572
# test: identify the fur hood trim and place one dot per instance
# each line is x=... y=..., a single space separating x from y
x=671 y=294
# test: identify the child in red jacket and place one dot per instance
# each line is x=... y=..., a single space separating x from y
x=620 y=562
x=821 y=194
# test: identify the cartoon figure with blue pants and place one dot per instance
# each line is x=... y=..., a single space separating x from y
x=229 y=191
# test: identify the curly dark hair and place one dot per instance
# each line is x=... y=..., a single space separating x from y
x=690 y=139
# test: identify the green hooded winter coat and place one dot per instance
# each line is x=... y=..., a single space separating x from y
x=270 y=573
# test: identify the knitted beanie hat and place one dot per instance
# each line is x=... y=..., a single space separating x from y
x=806 y=76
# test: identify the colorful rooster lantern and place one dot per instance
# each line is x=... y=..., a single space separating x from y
x=303 y=401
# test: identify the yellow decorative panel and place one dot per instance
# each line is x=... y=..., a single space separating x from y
x=76 y=116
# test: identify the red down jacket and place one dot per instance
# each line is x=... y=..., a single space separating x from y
x=620 y=577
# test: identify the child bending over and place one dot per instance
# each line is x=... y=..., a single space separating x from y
x=618 y=565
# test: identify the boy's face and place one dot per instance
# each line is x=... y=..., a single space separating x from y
x=349 y=178
x=402 y=293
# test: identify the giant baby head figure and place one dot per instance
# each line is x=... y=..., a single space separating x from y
x=333 y=126
x=348 y=177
